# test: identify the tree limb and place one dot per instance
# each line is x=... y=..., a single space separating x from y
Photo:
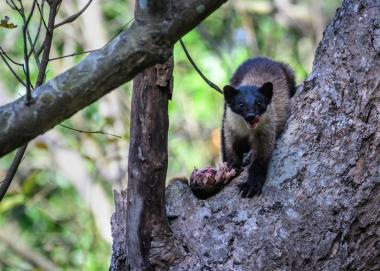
x=142 y=45
x=75 y=16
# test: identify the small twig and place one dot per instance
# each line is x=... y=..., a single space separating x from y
x=41 y=9
x=21 y=9
x=90 y=51
x=34 y=43
x=2 y=54
x=41 y=49
x=9 y=58
x=211 y=84
x=31 y=13
x=26 y=21
x=12 y=171
x=47 y=43
x=13 y=5
x=59 y=5
x=75 y=16
x=89 y=132
x=26 y=61
x=74 y=54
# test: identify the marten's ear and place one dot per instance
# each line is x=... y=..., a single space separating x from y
x=229 y=92
x=267 y=90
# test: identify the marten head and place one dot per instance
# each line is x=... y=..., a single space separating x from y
x=250 y=102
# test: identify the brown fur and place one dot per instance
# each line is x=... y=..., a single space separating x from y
x=237 y=137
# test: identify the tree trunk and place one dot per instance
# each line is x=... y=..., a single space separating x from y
x=147 y=166
x=320 y=205
x=148 y=154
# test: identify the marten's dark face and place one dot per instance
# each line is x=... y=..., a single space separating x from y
x=250 y=102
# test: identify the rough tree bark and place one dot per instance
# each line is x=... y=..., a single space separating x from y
x=320 y=205
x=148 y=159
x=147 y=164
x=148 y=153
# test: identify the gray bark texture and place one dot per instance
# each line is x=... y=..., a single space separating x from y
x=319 y=209
x=147 y=42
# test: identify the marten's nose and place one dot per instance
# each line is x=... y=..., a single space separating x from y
x=250 y=117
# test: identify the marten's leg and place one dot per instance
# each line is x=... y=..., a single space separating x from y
x=257 y=171
x=230 y=156
x=233 y=149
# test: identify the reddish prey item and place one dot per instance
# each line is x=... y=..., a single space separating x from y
x=208 y=181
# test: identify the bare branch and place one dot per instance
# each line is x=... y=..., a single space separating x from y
x=90 y=51
x=41 y=49
x=31 y=13
x=3 y=54
x=12 y=171
x=75 y=16
x=41 y=10
x=73 y=54
x=13 y=5
x=9 y=58
x=26 y=62
x=89 y=132
x=211 y=84
x=47 y=43
x=26 y=57
x=34 y=43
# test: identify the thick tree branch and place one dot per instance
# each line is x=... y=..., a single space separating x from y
x=142 y=45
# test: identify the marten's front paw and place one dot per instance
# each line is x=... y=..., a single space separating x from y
x=234 y=164
x=251 y=187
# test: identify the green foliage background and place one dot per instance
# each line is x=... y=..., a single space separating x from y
x=45 y=211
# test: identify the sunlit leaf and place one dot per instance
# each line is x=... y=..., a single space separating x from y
x=11 y=201
x=6 y=24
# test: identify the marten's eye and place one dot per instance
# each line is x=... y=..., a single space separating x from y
x=259 y=103
x=241 y=105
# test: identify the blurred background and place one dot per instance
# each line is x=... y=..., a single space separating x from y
x=57 y=212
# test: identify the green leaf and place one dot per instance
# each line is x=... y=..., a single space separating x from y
x=10 y=202
x=5 y=23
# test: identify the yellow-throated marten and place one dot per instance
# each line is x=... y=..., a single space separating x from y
x=256 y=105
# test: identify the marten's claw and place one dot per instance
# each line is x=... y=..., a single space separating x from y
x=250 y=189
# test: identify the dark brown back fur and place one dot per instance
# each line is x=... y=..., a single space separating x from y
x=271 y=67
